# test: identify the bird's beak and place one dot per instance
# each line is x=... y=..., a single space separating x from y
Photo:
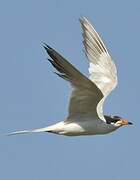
x=125 y=122
x=130 y=123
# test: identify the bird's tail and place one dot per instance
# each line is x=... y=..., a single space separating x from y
x=28 y=131
x=56 y=128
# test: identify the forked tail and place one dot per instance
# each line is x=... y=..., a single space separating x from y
x=28 y=131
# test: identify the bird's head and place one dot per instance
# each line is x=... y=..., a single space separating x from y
x=117 y=121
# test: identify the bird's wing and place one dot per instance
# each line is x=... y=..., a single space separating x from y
x=85 y=94
x=102 y=70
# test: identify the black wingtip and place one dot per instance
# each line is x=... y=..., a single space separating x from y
x=50 y=60
x=46 y=46
x=48 y=49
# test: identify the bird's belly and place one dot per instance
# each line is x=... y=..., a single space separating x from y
x=86 y=128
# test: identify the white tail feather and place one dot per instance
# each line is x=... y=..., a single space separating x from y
x=28 y=131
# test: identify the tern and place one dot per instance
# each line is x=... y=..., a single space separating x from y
x=85 y=111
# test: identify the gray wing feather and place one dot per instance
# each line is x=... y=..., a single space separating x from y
x=85 y=94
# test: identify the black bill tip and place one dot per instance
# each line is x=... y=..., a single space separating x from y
x=130 y=123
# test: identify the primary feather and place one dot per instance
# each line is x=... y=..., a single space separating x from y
x=85 y=94
x=102 y=70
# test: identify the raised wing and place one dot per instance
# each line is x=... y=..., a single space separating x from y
x=102 y=70
x=85 y=94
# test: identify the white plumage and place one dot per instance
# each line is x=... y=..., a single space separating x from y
x=102 y=70
x=85 y=111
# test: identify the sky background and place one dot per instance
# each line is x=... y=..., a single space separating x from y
x=32 y=96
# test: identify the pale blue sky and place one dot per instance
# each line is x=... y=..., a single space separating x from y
x=32 y=96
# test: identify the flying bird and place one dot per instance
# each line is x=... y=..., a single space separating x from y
x=85 y=110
